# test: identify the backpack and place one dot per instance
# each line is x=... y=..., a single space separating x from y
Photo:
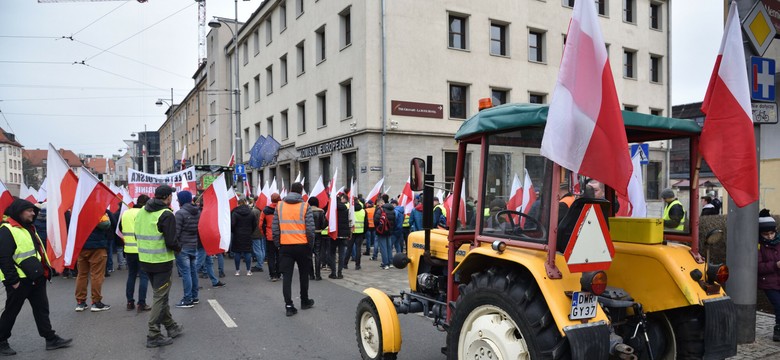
x=383 y=225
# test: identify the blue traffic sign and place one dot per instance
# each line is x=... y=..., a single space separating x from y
x=240 y=169
x=641 y=150
x=762 y=79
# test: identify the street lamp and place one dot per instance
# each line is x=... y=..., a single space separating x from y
x=215 y=24
x=160 y=102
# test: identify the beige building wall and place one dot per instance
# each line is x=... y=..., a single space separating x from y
x=11 y=172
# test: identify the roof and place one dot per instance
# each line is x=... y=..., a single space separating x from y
x=36 y=157
x=8 y=138
x=639 y=127
x=99 y=165
x=687 y=111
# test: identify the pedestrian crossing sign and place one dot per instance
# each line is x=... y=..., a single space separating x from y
x=641 y=150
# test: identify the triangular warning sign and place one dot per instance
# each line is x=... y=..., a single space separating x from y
x=590 y=246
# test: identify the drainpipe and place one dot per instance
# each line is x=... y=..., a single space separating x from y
x=384 y=88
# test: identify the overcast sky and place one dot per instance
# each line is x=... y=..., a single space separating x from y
x=133 y=54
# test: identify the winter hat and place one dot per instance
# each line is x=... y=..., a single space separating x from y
x=667 y=194
x=313 y=201
x=163 y=191
x=766 y=222
x=184 y=197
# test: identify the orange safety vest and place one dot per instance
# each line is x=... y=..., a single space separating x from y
x=370 y=215
x=568 y=200
x=292 y=223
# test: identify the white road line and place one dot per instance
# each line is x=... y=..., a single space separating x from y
x=222 y=313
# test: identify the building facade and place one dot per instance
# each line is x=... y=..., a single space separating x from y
x=36 y=159
x=11 y=169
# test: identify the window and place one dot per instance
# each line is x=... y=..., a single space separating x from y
x=246 y=95
x=322 y=119
x=458 y=35
x=655 y=16
x=213 y=111
x=568 y=3
x=629 y=108
x=285 y=126
x=655 y=69
x=458 y=96
x=499 y=96
x=346 y=99
x=257 y=88
x=245 y=140
x=256 y=41
x=303 y=167
x=602 y=7
x=213 y=149
x=269 y=125
x=269 y=80
x=537 y=98
x=350 y=165
x=535 y=46
x=298 y=8
x=269 y=31
x=498 y=39
x=325 y=169
x=345 y=28
x=257 y=130
x=301 y=117
x=628 y=11
x=283 y=70
x=301 y=63
x=656 y=112
x=212 y=73
x=629 y=64
x=654 y=180
x=320 y=35
x=282 y=16
x=245 y=51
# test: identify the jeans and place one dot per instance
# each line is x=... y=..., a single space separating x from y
x=258 y=248
x=383 y=243
x=774 y=298
x=319 y=256
x=161 y=310
x=221 y=262
x=355 y=243
x=398 y=242
x=247 y=256
x=110 y=252
x=120 y=256
x=204 y=261
x=186 y=262
x=370 y=237
x=336 y=261
x=134 y=271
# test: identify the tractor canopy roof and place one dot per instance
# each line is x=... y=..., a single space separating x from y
x=639 y=127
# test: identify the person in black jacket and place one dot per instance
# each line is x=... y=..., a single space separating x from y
x=339 y=245
x=383 y=240
x=320 y=223
x=187 y=219
x=708 y=208
x=243 y=224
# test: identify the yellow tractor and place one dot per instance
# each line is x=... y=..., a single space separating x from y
x=557 y=275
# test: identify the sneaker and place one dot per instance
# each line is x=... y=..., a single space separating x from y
x=257 y=269
x=249 y=273
x=196 y=301
x=81 y=306
x=290 y=310
x=238 y=273
x=141 y=307
x=219 y=284
x=274 y=279
x=307 y=304
x=5 y=349
x=130 y=305
x=339 y=276
x=184 y=304
x=373 y=258
x=386 y=267
x=158 y=341
x=332 y=276
x=346 y=266
x=357 y=267
x=221 y=274
x=175 y=331
x=99 y=306
x=318 y=278
x=57 y=342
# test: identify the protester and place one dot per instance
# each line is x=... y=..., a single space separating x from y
x=258 y=240
x=92 y=266
x=293 y=233
x=674 y=214
x=370 y=233
x=769 y=264
x=243 y=224
x=187 y=236
x=127 y=225
x=338 y=247
x=204 y=262
x=398 y=230
x=320 y=223
x=383 y=238
x=155 y=228
x=708 y=208
x=358 y=234
x=272 y=251
x=24 y=270
x=415 y=218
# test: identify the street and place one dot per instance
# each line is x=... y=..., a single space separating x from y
x=255 y=305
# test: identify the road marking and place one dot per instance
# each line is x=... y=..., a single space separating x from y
x=222 y=313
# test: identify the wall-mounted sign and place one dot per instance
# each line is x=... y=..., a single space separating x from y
x=773 y=9
x=408 y=108
x=327 y=147
x=764 y=113
x=759 y=28
x=376 y=168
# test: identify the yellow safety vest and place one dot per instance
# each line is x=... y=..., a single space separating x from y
x=25 y=248
x=292 y=223
x=406 y=220
x=443 y=209
x=680 y=227
x=128 y=226
x=151 y=243
x=360 y=220
x=324 y=231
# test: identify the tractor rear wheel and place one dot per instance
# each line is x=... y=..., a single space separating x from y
x=688 y=325
x=502 y=314
x=368 y=328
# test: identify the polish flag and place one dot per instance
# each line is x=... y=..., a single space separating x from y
x=26 y=193
x=262 y=198
x=298 y=177
x=127 y=203
x=585 y=131
x=333 y=229
x=634 y=205
x=319 y=192
x=89 y=206
x=175 y=206
x=113 y=206
x=5 y=198
x=351 y=202
x=305 y=195
x=441 y=195
x=274 y=188
x=407 y=198
x=184 y=157
x=61 y=190
x=232 y=198
x=515 y=202
x=247 y=189
x=374 y=193
x=727 y=141
x=42 y=191
x=529 y=193
x=214 y=224
x=232 y=160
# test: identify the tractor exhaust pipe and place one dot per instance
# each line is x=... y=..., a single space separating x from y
x=624 y=351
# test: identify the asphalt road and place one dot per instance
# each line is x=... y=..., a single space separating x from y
x=255 y=305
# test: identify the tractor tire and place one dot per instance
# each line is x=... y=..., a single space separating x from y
x=502 y=314
x=688 y=325
x=368 y=329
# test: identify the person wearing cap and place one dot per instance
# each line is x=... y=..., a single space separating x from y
x=272 y=251
x=127 y=225
x=187 y=236
x=708 y=208
x=21 y=248
x=155 y=231
x=769 y=264
x=674 y=214
x=242 y=224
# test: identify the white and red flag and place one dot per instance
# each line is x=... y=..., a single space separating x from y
x=247 y=189
x=232 y=198
x=585 y=131
x=333 y=229
x=351 y=203
x=262 y=199
x=318 y=191
x=5 y=198
x=727 y=141
x=232 y=160
x=529 y=193
x=184 y=157
x=89 y=206
x=115 y=204
x=27 y=193
x=214 y=224
x=515 y=202
x=42 y=191
x=634 y=205
x=407 y=198
x=61 y=190
x=274 y=187
x=374 y=193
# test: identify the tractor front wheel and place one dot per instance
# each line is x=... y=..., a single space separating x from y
x=368 y=328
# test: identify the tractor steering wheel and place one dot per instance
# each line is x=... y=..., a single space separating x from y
x=522 y=225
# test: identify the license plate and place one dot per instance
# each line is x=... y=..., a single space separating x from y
x=583 y=305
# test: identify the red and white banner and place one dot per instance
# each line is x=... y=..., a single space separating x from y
x=89 y=205
x=214 y=224
x=263 y=199
x=585 y=131
x=529 y=193
x=515 y=202
x=232 y=198
x=727 y=141
x=5 y=198
x=143 y=183
x=42 y=191
x=634 y=205
x=374 y=193
x=407 y=198
x=27 y=193
x=333 y=229
x=320 y=193
x=61 y=190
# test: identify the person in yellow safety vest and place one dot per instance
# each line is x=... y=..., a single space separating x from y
x=293 y=232
x=438 y=211
x=356 y=241
x=25 y=270
x=674 y=214
x=127 y=226
x=155 y=232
